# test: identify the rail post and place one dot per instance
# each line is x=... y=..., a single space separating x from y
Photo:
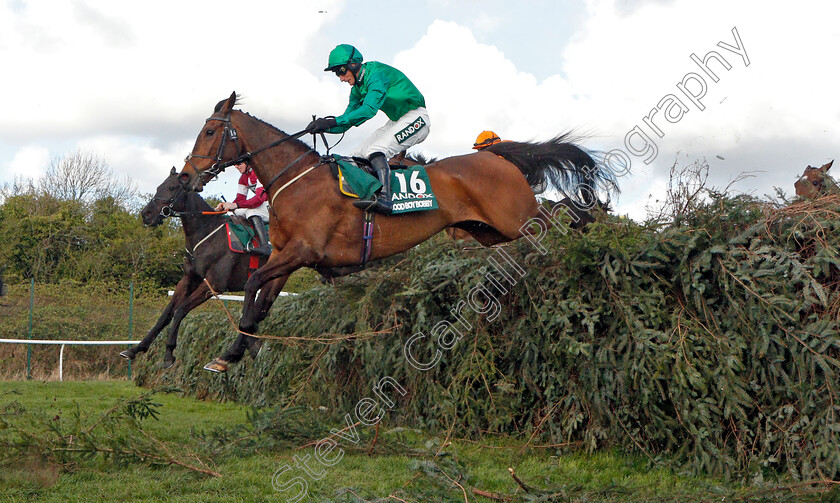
x=130 y=318
x=29 y=346
x=61 y=364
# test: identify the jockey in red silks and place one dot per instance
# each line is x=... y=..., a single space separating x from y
x=254 y=208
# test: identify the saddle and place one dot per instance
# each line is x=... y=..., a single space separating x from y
x=411 y=189
x=241 y=235
x=356 y=177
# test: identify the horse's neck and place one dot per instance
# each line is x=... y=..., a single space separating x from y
x=197 y=226
x=270 y=163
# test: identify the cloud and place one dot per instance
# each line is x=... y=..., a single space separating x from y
x=146 y=163
x=136 y=85
x=625 y=59
x=629 y=56
x=470 y=87
x=86 y=71
x=99 y=66
x=30 y=161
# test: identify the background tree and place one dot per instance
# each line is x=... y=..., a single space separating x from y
x=82 y=175
x=79 y=222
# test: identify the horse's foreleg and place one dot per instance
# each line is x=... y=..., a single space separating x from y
x=182 y=290
x=276 y=270
x=196 y=298
x=259 y=310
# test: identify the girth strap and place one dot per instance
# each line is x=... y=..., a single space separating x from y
x=367 y=237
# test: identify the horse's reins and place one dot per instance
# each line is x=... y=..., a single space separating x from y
x=167 y=211
x=219 y=166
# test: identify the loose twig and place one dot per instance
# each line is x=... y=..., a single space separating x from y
x=144 y=455
x=375 y=438
x=330 y=437
x=492 y=496
x=525 y=487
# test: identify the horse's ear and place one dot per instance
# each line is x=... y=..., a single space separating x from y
x=173 y=171
x=225 y=106
x=826 y=167
x=230 y=102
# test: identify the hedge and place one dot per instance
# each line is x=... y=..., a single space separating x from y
x=711 y=340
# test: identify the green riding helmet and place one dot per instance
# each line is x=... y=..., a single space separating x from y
x=344 y=57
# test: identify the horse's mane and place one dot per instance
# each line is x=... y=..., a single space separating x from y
x=420 y=158
x=265 y=123
x=200 y=202
x=274 y=128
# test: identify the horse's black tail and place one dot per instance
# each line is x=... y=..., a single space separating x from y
x=559 y=164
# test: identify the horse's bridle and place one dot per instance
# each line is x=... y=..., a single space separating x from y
x=218 y=166
x=167 y=210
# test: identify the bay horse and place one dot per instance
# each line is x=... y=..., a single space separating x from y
x=490 y=194
x=816 y=182
x=406 y=159
x=208 y=256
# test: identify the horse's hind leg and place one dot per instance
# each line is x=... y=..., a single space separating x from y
x=243 y=341
x=182 y=290
x=197 y=297
x=277 y=270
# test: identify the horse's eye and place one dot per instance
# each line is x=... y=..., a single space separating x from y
x=209 y=132
x=816 y=182
x=171 y=189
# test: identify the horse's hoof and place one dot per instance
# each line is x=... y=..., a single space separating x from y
x=217 y=365
x=127 y=354
x=168 y=362
x=255 y=348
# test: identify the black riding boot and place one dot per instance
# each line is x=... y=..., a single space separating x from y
x=262 y=235
x=382 y=202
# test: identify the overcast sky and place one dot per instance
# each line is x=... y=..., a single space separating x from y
x=134 y=81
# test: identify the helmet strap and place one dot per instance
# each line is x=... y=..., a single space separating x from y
x=351 y=65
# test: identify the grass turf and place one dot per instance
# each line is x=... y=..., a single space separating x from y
x=468 y=471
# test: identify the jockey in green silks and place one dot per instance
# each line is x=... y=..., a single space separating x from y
x=376 y=86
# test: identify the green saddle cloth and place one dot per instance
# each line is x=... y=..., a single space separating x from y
x=411 y=189
x=360 y=183
x=245 y=233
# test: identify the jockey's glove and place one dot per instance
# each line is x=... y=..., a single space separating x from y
x=321 y=125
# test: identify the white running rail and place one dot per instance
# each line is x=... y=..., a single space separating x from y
x=240 y=298
x=62 y=344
